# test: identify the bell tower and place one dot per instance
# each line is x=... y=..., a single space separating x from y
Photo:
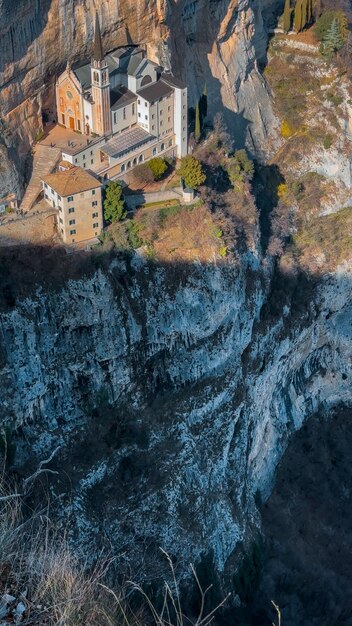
x=100 y=85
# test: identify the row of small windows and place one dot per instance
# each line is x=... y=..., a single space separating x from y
x=135 y=161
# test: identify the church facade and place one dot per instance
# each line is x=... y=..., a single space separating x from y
x=126 y=100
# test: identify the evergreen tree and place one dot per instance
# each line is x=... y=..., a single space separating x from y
x=310 y=12
x=333 y=40
x=298 y=16
x=114 y=203
x=191 y=171
x=197 y=124
x=205 y=100
x=287 y=16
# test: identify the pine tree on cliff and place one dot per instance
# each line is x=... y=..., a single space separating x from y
x=333 y=40
x=197 y=123
x=287 y=16
x=298 y=16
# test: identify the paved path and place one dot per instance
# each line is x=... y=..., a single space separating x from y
x=137 y=199
x=45 y=160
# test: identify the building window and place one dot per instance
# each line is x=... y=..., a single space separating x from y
x=84 y=165
x=73 y=232
x=169 y=119
x=161 y=123
x=170 y=143
x=71 y=222
x=71 y=210
x=95 y=203
x=123 y=167
x=78 y=125
x=76 y=160
x=129 y=165
x=140 y=160
x=124 y=113
x=93 y=192
x=115 y=117
x=184 y=128
x=91 y=153
x=169 y=108
x=73 y=241
x=153 y=116
x=94 y=215
x=92 y=162
x=46 y=196
x=62 y=231
x=162 y=147
x=146 y=104
x=133 y=108
x=139 y=101
x=184 y=106
x=154 y=151
x=146 y=117
x=96 y=77
x=58 y=197
x=60 y=208
x=70 y=199
x=161 y=111
x=153 y=127
x=45 y=185
x=139 y=114
x=134 y=161
x=96 y=225
x=63 y=119
x=61 y=222
x=84 y=156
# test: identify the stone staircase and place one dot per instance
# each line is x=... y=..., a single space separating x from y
x=45 y=160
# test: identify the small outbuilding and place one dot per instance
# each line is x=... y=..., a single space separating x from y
x=188 y=195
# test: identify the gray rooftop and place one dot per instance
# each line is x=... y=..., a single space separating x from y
x=127 y=142
x=175 y=82
x=118 y=61
x=120 y=97
x=155 y=91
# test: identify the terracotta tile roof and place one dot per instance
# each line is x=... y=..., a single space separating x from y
x=71 y=181
x=66 y=164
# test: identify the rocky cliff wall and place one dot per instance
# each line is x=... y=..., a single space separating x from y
x=172 y=393
x=217 y=42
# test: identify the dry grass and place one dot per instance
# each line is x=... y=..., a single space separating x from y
x=40 y=571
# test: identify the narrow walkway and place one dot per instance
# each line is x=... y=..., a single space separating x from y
x=137 y=199
x=45 y=160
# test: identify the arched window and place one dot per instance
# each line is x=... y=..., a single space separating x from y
x=123 y=167
x=154 y=151
x=170 y=143
x=162 y=147
x=135 y=161
x=146 y=80
x=140 y=160
x=96 y=77
x=129 y=165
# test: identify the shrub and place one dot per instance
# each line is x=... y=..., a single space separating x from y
x=133 y=230
x=158 y=167
x=240 y=168
x=114 y=203
x=191 y=171
x=286 y=130
x=143 y=174
x=327 y=142
x=324 y=23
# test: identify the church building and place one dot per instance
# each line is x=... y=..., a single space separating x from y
x=128 y=101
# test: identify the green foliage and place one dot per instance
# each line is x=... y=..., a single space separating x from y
x=168 y=211
x=134 y=239
x=197 y=124
x=114 y=203
x=334 y=98
x=333 y=39
x=327 y=142
x=191 y=171
x=203 y=105
x=247 y=578
x=240 y=168
x=287 y=16
x=324 y=23
x=158 y=167
x=39 y=135
x=223 y=251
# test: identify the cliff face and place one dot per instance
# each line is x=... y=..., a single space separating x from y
x=202 y=40
x=172 y=393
